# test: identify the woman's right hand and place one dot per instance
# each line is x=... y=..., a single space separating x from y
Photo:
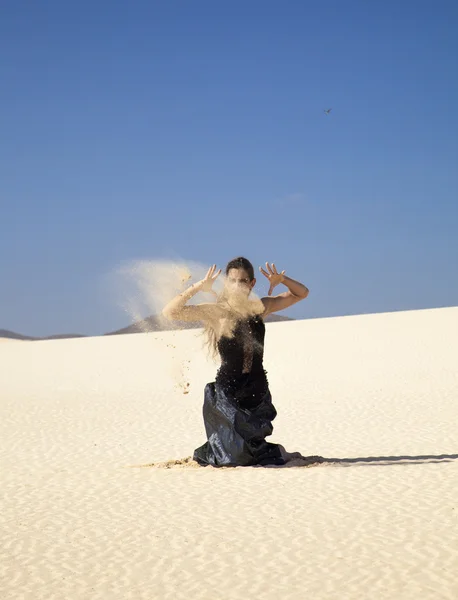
x=206 y=285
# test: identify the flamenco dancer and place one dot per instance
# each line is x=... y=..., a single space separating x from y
x=238 y=409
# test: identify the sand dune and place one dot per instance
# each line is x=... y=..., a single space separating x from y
x=82 y=517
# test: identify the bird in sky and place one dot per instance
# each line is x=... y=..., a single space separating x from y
x=327 y=111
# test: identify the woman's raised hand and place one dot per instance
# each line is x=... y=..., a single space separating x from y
x=209 y=279
x=273 y=276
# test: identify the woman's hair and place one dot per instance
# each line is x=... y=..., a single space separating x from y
x=240 y=263
x=209 y=330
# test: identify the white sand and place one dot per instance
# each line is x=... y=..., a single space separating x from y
x=77 y=522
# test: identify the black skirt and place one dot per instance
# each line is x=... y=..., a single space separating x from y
x=235 y=433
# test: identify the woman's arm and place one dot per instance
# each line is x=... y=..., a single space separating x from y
x=176 y=309
x=296 y=291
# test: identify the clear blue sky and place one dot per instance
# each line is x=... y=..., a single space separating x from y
x=146 y=130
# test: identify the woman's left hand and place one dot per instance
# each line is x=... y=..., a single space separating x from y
x=273 y=276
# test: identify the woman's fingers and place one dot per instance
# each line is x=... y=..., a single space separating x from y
x=263 y=272
x=269 y=268
x=217 y=274
x=274 y=268
x=210 y=272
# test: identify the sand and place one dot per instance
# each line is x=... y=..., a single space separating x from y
x=375 y=395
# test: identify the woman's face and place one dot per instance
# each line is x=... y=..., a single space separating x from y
x=238 y=281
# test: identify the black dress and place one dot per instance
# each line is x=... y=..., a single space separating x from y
x=238 y=410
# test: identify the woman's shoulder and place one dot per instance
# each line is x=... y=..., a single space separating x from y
x=212 y=310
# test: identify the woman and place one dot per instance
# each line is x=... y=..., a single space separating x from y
x=238 y=410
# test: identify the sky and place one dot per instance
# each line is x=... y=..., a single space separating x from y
x=196 y=131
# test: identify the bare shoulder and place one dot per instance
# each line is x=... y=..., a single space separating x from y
x=211 y=310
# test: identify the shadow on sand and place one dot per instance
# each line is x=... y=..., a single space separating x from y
x=296 y=459
x=375 y=461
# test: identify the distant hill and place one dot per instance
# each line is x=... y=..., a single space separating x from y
x=64 y=336
x=149 y=324
x=156 y=324
x=12 y=335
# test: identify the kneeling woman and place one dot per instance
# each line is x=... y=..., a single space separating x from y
x=238 y=410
